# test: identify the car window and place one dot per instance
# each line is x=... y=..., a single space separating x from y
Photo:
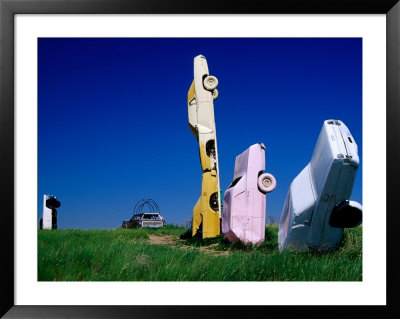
x=152 y=217
x=235 y=182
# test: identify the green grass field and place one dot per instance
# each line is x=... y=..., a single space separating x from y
x=159 y=255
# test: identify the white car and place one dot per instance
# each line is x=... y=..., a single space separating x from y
x=318 y=205
x=151 y=220
x=49 y=218
x=146 y=213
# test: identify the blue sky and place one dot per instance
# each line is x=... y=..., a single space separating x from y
x=113 y=125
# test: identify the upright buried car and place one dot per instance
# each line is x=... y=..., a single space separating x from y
x=244 y=201
x=317 y=206
x=49 y=218
x=200 y=104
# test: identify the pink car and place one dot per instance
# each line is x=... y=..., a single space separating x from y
x=244 y=200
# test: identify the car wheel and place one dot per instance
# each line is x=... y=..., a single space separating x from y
x=266 y=183
x=214 y=202
x=210 y=82
x=215 y=94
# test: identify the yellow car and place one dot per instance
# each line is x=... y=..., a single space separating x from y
x=200 y=103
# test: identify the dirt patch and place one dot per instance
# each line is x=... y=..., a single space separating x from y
x=163 y=240
x=173 y=240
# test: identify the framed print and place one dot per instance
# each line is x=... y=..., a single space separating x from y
x=92 y=124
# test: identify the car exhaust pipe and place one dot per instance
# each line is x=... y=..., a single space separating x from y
x=346 y=214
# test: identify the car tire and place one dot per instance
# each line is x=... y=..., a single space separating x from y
x=266 y=183
x=210 y=83
x=215 y=94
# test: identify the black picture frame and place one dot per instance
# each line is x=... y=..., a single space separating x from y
x=8 y=8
